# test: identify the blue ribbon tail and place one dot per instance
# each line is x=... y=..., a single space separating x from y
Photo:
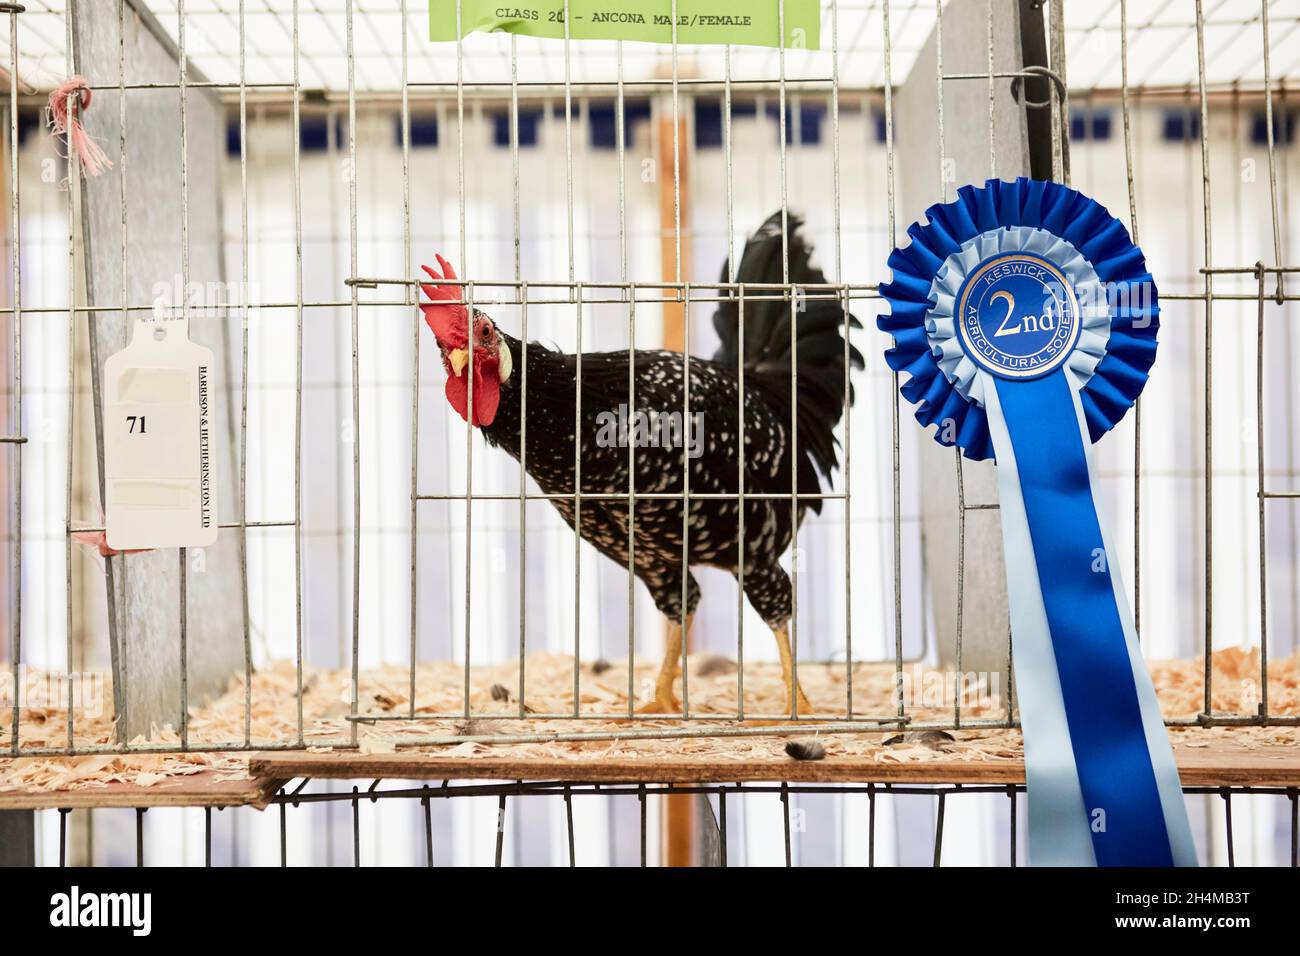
x=1103 y=788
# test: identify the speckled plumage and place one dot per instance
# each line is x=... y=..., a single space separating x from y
x=658 y=386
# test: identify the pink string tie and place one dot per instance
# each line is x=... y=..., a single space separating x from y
x=92 y=157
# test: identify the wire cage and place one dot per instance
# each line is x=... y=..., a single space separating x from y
x=386 y=583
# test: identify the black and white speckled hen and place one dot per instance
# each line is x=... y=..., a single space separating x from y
x=632 y=420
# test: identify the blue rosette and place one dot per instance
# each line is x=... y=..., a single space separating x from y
x=1116 y=352
x=1024 y=323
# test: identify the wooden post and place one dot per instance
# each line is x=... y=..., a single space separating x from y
x=670 y=202
x=679 y=811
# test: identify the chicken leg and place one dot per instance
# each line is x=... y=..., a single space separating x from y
x=792 y=709
x=782 y=635
x=666 y=701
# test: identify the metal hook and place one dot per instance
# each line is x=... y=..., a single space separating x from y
x=1032 y=71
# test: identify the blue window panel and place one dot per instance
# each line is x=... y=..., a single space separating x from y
x=313 y=133
x=811 y=117
x=28 y=120
x=1101 y=125
x=232 y=137
x=602 y=118
x=424 y=130
x=810 y=124
x=529 y=125
x=1078 y=125
x=708 y=124
x=1182 y=125
x=878 y=122
x=1090 y=124
x=711 y=119
x=1283 y=128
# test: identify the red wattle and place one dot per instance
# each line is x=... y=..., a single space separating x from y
x=487 y=395
x=458 y=395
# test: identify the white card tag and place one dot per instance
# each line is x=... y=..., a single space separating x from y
x=159 y=440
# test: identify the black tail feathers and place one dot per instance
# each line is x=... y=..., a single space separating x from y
x=819 y=322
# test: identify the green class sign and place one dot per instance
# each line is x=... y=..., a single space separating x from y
x=737 y=22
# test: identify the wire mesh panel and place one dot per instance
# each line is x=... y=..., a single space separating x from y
x=399 y=582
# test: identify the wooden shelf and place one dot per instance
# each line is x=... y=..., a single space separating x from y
x=1271 y=766
x=193 y=790
x=1199 y=767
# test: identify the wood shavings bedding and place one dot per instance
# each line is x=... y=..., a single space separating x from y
x=439 y=688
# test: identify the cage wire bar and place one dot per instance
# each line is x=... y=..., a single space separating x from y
x=580 y=295
x=18 y=439
x=74 y=102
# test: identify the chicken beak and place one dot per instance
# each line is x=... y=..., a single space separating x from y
x=458 y=359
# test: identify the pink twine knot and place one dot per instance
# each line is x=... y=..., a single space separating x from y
x=92 y=157
x=98 y=541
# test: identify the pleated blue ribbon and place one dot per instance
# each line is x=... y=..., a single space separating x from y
x=1025 y=322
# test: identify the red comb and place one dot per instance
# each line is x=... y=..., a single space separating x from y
x=445 y=314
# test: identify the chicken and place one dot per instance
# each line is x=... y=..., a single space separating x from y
x=632 y=418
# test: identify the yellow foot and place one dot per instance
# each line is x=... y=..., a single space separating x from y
x=662 y=704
